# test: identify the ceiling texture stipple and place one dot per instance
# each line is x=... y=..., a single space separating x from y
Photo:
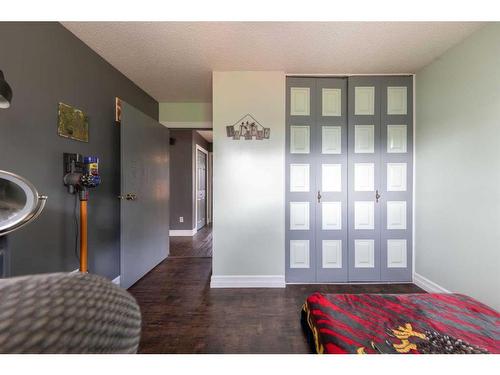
x=173 y=61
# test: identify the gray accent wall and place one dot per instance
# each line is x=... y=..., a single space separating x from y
x=45 y=64
x=181 y=179
x=182 y=176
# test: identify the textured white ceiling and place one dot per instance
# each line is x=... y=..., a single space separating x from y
x=173 y=61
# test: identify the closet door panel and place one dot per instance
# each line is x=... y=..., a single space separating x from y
x=300 y=178
x=301 y=169
x=396 y=178
x=332 y=254
x=331 y=139
x=331 y=180
x=364 y=173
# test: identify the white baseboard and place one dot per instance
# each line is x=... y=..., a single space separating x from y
x=116 y=280
x=353 y=283
x=428 y=285
x=182 y=233
x=254 y=281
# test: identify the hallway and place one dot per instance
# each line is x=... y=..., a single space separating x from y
x=197 y=246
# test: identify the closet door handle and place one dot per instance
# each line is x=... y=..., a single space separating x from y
x=377 y=196
x=319 y=196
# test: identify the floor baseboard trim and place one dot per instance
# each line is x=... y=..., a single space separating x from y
x=353 y=283
x=428 y=285
x=182 y=233
x=116 y=280
x=254 y=281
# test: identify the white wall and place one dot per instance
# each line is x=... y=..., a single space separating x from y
x=248 y=181
x=458 y=168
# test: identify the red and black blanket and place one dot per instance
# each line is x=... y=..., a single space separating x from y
x=403 y=323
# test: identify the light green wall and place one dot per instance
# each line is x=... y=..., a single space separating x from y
x=185 y=112
x=457 y=212
x=248 y=180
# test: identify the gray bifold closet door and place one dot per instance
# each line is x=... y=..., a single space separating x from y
x=380 y=141
x=349 y=162
x=396 y=133
x=316 y=180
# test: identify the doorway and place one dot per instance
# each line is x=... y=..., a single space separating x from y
x=201 y=187
x=191 y=191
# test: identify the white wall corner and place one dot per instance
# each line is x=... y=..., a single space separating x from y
x=245 y=281
x=182 y=233
x=116 y=280
x=428 y=285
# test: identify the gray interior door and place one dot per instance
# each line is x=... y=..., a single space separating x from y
x=145 y=182
x=396 y=178
x=201 y=189
x=380 y=178
x=316 y=180
x=300 y=181
x=331 y=179
x=364 y=178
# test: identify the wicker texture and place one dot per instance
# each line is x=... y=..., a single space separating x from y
x=67 y=313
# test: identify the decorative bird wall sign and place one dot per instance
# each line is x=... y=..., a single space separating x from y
x=248 y=128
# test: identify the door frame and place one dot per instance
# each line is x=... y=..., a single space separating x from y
x=209 y=187
x=198 y=147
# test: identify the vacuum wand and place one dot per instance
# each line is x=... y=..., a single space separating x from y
x=80 y=176
x=83 y=236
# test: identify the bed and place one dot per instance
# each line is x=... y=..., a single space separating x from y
x=400 y=323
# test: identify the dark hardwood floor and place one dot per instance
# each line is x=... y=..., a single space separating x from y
x=181 y=314
x=199 y=245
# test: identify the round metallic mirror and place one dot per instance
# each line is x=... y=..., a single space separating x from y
x=20 y=202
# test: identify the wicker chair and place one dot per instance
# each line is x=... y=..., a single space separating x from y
x=67 y=313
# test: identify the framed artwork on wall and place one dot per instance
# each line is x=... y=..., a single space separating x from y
x=118 y=111
x=72 y=123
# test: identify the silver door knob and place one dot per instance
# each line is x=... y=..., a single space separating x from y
x=128 y=196
x=377 y=196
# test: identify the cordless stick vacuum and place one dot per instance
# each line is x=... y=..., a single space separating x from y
x=80 y=175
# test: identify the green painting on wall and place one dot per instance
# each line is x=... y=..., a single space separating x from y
x=72 y=123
